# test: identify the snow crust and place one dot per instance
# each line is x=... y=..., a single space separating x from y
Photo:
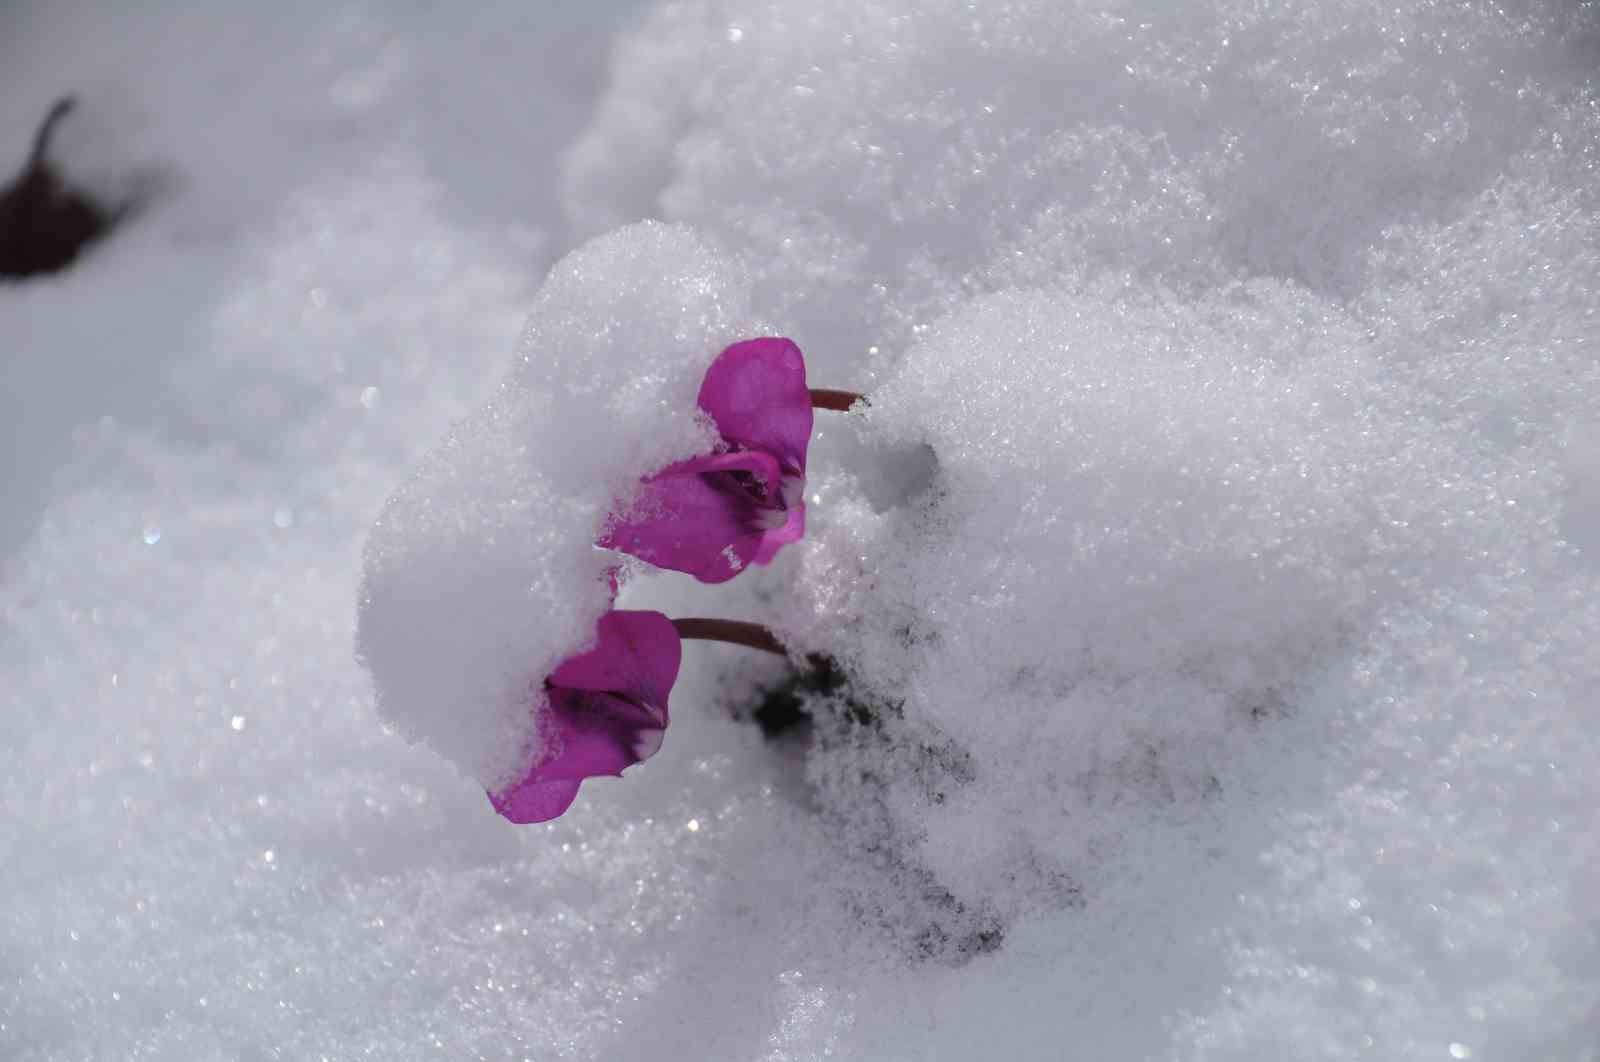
x=1212 y=576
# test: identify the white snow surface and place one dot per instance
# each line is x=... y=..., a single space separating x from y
x=481 y=573
x=1213 y=575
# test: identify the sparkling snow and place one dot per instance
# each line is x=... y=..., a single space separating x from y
x=1213 y=575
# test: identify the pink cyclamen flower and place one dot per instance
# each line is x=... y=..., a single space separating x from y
x=715 y=515
x=607 y=711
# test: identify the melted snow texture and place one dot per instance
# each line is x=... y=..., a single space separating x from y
x=1217 y=559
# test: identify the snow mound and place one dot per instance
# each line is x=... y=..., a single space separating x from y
x=1212 y=580
x=1143 y=531
x=1225 y=464
x=481 y=574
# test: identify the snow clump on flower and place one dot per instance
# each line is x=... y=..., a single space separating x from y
x=481 y=575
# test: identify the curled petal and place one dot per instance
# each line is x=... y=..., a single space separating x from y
x=596 y=733
x=785 y=525
x=756 y=393
x=535 y=801
x=701 y=516
x=606 y=710
x=635 y=653
x=716 y=515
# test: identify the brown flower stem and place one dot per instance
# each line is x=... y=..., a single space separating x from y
x=827 y=398
x=734 y=632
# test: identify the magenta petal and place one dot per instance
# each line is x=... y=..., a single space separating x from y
x=793 y=529
x=535 y=801
x=684 y=521
x=756 y=393
x=587 y=734
x=597 y=733
x=635 y=653
x=714 y=516
x=607 y=709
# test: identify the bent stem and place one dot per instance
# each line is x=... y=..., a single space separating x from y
x=734 y=632
x=47 y=129
x=828 y=398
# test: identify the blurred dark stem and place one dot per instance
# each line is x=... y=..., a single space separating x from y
x=47 y=129
x=827 y=398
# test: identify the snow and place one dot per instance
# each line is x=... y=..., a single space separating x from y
x=1212 y=575
x=481 y=573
